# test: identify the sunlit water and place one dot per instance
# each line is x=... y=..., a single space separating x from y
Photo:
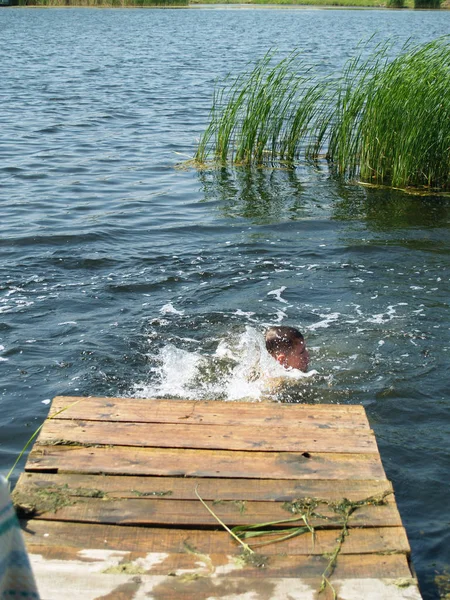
x=121 y=274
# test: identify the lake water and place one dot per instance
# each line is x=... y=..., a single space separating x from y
x=122 y=274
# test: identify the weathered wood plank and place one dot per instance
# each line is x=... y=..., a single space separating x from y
x=168 y=435
x=147 y=539
x=209 y=412
x=104 y=574
x=204 y=463
x=113 y=482
x=56 y=505
x=350 y=566
x=179 y=488
x=102 y=586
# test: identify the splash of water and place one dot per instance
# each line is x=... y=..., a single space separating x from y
x=240 y=367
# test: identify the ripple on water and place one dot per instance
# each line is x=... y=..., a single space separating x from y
x=121 y=274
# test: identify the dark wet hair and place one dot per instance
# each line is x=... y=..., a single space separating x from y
x=281 y=338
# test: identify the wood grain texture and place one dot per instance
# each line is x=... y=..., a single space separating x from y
x=168 y=540
x=111 y=485
x=204 y=412
x=189 y=513
x=179 y=488
x=308 y=567
x=204 y=463
x=203 y=586
x=211 y=437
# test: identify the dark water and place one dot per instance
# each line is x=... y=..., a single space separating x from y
x=121 y=274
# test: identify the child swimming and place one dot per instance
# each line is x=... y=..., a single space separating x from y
x=287 y=346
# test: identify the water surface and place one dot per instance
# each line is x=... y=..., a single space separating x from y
x=122 y=274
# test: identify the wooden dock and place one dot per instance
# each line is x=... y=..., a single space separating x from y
x=110 y=506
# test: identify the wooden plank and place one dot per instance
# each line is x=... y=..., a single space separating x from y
x=178 y=488
x=147 y=539
x=194 y=586
x=56 y=505
x=104 y=574
x=112 y=483
x=205 y=412
x=168 y=435
x=156 y=563
x=204 y=463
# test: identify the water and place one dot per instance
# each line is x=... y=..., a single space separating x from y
x=122 y=274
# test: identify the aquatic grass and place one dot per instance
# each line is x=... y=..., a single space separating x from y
x=258 y=119
x=304 y=510
x=33 y=436
x=405 y=129
x=391 y=124
x=304 y=126
x=353 y=91
x=384 y=120
x=427 y=3
x=230 y=531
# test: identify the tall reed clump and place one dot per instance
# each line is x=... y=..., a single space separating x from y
x=263 y=115
x=399 y=134
x=384 y=121
x=427 y=4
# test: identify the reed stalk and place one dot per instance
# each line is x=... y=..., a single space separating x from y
x=34 y=435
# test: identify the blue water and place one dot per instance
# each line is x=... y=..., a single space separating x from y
x=123 y=274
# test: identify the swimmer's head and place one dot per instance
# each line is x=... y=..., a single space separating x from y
x=287 y=346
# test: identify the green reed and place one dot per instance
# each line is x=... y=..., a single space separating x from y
x=258 y=118
x=405 y=128
x=427 y=3
x=391 y=120
x=383 y=120
x=35 y=434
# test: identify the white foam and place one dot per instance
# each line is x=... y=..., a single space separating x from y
x=281 y=315
x=277 y=294
x=377 y=319
x=170 y=309
x=326 y=321
x=241 y=313
x=240 y=368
